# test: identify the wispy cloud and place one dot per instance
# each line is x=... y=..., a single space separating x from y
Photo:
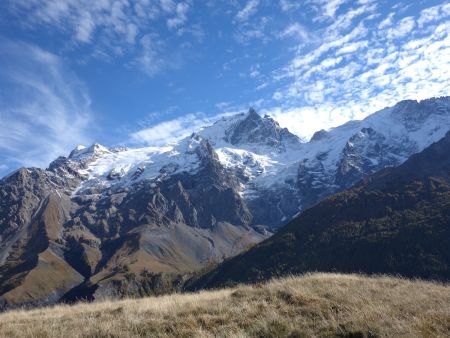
x=180 y=15
x=111 y=29
x=430 y=15
x=296 y=30
x=249 y=25
x=167 y=131
x=328 y=7
x=149 y=58
x=172 y=130
x=289 y=5
x=401 y=29
x=248 y=10
x=44 y=109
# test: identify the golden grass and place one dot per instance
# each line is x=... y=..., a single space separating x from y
x=313 y=305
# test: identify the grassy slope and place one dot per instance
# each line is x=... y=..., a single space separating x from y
x=311 y=305
x=51 y=274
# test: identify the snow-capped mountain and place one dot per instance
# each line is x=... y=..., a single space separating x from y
x=278 y=175
x=101 y=212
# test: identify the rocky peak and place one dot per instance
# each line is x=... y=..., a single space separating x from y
x=81 y=152
x=200 y=146
x=414 y=113
x=253 y=114
x=19 y=175
x=319 y=135
x=254 y=129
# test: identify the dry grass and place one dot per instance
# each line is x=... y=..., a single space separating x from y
x=312 y=305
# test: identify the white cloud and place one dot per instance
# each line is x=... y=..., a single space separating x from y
x=296 y=30
x=307 y=120
x=44 y=109
x=352 y=47
x=332 y=6
x=111 y=28
x=287 y=5
x=387 y=22
x=78 y=18
x=173 y=130
x=302 y=62
x=165 y=132
x=167 y=5
x=402 y=28
x=247 y=31
x=149 y=58
x=180 y=15
x=132 y=32
x=249 y=9
x=355 y=70
x=324 y=9
x=432 y=14
x=348 y=19
x=85 y=28
x=254 y=71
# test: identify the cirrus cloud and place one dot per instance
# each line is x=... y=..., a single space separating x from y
x=44 y=108
x=109 y=29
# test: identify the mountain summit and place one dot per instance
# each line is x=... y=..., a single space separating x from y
x=253 y=129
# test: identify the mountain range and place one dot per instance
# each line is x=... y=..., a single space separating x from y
x=100 y=214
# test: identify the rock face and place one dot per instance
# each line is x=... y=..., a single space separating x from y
x=34 y=208
x=102 y=213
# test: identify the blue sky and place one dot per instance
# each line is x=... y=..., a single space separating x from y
x=135 y=73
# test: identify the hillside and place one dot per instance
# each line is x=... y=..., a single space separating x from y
x=325 y=305
x=395 y=222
